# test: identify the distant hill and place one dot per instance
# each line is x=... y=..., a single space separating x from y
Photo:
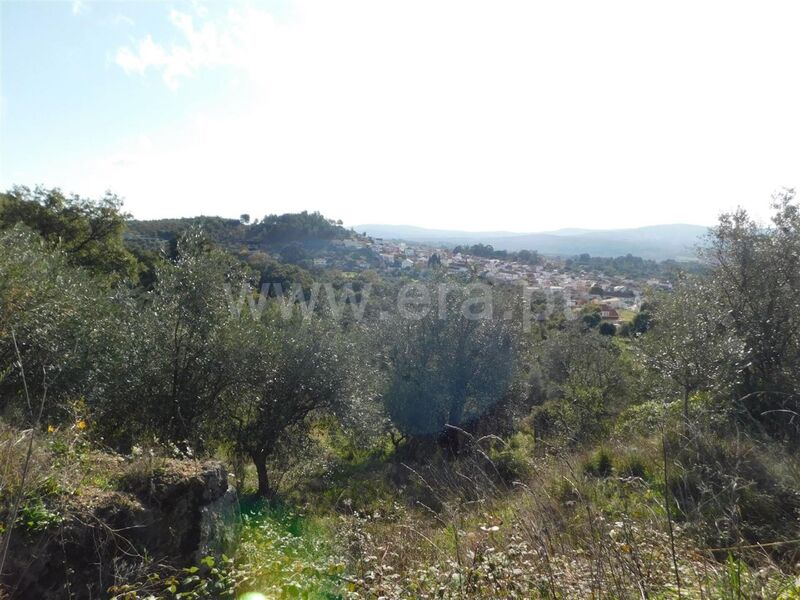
x=658 y=242
x=273 y=231
x=421 y=234
x=282 y=247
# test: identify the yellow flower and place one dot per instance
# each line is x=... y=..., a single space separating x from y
x=81 y=424
x=50 y=429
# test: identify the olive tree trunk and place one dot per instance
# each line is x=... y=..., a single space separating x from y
x=260 y=461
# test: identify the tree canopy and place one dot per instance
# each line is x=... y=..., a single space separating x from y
x=88 y=231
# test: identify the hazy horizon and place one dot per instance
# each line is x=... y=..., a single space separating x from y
x=520 y=231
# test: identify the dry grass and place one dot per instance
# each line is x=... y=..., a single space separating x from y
x=577 y=524
x=561 y=534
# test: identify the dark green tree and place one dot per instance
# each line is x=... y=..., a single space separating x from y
x=89 y=232
x=607 y=329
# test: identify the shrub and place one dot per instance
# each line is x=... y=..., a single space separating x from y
x=513 y=459
x=600 y=464
x=632 y=465
x=736 y=488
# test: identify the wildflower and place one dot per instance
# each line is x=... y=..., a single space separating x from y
x=81 y=424
x=50 y=429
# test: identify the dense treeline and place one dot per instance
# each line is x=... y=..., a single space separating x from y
x=530 y=257
x=622 y=266
x=631 y=266
x=88 y=233
x=271 y=231
x=195 y=359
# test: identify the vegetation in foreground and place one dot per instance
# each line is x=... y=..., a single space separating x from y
x=429 y=457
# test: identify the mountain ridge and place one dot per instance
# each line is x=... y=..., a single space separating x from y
x=659 y=242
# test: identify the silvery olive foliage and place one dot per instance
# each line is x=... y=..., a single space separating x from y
x=56 y=312
x=174 y=356
x=447 y=368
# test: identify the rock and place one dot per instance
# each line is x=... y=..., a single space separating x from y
x=219 y=515
x=173 y=515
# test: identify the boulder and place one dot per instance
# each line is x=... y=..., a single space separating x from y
x=172 y=516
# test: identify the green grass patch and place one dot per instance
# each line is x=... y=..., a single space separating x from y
x=287 y=554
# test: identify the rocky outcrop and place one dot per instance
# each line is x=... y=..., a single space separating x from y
x=172 y=516
x=219 y=517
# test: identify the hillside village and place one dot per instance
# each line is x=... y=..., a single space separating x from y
x=323 y=246
x=613 y=295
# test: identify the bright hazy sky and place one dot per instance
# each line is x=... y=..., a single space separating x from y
x=522 y=116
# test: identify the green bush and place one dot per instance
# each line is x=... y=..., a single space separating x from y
x=513 y=459
x=599 y=464
x=632 y=465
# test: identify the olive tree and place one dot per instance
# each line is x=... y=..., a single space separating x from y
x=757 y=279
x=175 y=354
x=585 y=379
x=688 y=345
x=296 y=368
x=448 y=365
x=737 y=330
x=55 y=312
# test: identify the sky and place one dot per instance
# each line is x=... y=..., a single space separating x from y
x=460 y=114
